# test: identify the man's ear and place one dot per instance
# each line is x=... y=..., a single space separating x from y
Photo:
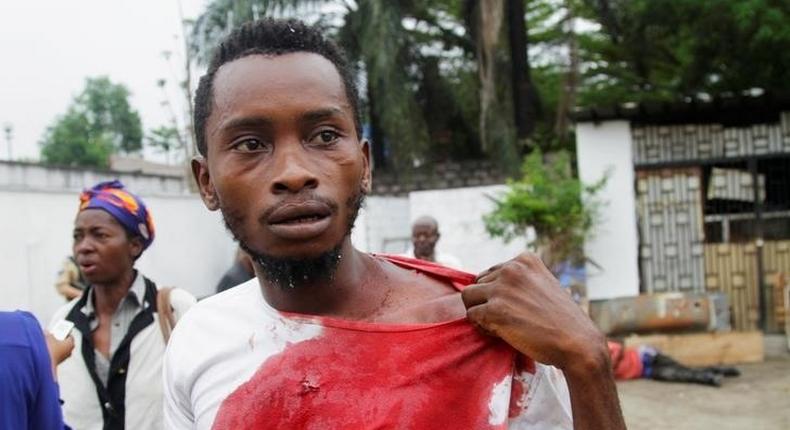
x=367 y=175
x=203 y=179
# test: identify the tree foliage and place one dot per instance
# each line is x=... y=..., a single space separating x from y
x=668 y=49
x=98 y=123
x=417 y=67
x=549 y=199
x=447 y=79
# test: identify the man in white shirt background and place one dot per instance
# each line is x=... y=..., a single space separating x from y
x=424 y=236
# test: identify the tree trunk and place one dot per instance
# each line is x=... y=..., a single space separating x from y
x=570 y=84
x=526 y=100
x=489 y=14
x=497 y=129
x=376 y=136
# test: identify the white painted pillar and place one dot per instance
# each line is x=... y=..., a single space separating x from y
x=603 y=147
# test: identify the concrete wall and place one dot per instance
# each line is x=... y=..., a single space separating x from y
x=192 y=249
x=383 y=225
x=35 y=177
x=601 y=147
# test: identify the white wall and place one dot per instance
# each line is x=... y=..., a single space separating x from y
x=459 y=212
x=383 y=225
x=600 y=147
x=191 y=250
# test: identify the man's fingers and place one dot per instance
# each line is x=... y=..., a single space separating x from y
x=486 y=273
x=476 y=294
x=478 y=316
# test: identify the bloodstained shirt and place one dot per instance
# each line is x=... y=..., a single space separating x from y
x=234 y=362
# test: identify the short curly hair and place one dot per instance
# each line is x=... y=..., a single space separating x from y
x=270 y=37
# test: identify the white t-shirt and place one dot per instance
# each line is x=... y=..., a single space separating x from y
x=234 y=362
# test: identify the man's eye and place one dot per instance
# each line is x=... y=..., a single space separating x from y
x=249 y=145
x=325 y=137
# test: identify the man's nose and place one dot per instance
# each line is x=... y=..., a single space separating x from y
x=293 y=170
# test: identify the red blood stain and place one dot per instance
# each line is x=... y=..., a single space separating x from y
x=437 y=377
x=520 y=388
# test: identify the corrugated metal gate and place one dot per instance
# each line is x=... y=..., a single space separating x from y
x=671 y=230
x=714 y=214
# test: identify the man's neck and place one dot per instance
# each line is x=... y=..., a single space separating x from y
x=107 y=296
x=426 y=257
x=347 y=294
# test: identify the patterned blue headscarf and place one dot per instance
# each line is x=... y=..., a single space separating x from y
x=128 y=209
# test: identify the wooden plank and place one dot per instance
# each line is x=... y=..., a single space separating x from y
x=706 y=349
x=776 y=261
x=733 y=269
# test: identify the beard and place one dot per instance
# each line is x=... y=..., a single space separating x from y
x=297 y=272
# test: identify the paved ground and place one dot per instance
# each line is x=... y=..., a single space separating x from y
x=758 y=399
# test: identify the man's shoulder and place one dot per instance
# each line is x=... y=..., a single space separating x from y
x=243 y=293
x=221 y=309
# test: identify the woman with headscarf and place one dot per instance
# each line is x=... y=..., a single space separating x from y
x=113 y=379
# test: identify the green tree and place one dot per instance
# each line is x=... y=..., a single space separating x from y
x=377 y=42
x=445 y=79
x=71 y=141
x=470 y=78
x=548 y=198
x=99 y=122
x=666 y=49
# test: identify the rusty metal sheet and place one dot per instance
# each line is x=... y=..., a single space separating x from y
x=662 y=313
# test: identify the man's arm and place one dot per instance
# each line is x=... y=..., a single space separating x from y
x=521 y=302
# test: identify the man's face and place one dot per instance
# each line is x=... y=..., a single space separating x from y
x=283 y=162
x=424 y=238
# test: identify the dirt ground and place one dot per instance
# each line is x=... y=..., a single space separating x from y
x=758 y=399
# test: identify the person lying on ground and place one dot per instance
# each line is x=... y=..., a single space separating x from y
x=647 y=362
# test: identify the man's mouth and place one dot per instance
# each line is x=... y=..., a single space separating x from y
x=300 y=221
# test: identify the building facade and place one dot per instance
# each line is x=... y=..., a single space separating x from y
x=701 y=203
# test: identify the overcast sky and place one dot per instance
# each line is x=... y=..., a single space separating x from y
x=49 y=47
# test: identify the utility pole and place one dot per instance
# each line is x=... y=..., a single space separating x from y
x=9 y=133
x=187 y=85
x=189 y=146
